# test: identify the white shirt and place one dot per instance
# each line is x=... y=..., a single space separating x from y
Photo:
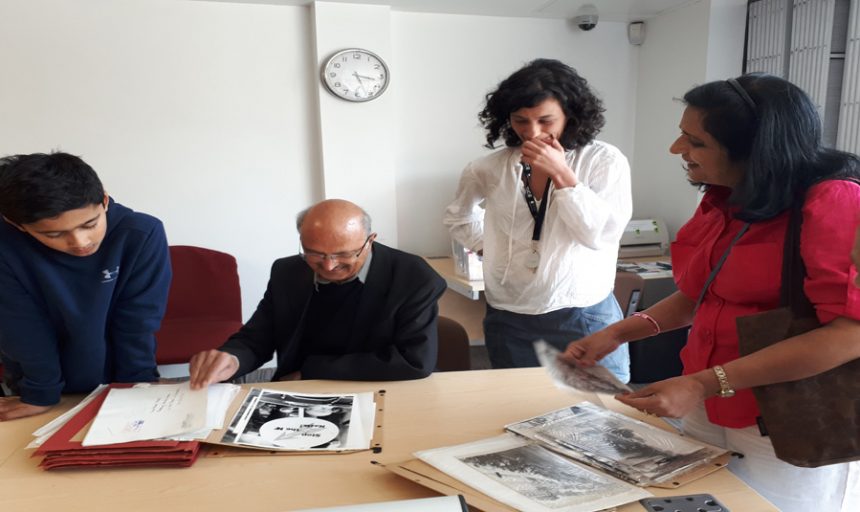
x=579 y=241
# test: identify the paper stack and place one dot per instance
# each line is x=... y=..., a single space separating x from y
x=124 y=426
x=582 y=458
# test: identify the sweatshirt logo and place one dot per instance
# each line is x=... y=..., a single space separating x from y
x=110 y=275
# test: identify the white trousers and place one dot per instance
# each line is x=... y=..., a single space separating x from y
x=834 y=488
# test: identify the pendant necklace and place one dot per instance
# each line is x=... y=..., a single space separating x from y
x=533 y=258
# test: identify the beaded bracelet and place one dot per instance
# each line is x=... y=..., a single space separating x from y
x=650 y=319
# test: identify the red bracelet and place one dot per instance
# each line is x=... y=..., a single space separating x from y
x=650 y=319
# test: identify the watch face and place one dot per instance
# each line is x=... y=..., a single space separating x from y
x=355 y=75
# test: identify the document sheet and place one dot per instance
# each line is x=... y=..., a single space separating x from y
x=148 y=412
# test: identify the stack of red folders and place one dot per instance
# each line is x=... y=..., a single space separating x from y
x=64 y=450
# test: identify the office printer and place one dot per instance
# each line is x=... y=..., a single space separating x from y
x=644 y=237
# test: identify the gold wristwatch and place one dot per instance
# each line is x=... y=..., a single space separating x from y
x=726 y=390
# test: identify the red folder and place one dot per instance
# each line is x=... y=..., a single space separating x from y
x=61 y=451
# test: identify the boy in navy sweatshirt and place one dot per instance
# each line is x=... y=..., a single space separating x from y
x=83 y=283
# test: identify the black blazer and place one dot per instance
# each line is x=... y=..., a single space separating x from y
x=394 y=339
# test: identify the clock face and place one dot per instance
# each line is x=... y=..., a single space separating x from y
x=355 y=75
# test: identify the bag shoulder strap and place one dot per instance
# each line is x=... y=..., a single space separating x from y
x=791 y=293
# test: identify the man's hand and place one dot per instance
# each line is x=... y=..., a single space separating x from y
x=12 y=408
x=211 y=366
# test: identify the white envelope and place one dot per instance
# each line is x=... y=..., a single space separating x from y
x=148 y=412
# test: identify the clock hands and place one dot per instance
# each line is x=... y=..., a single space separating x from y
x=360 y=83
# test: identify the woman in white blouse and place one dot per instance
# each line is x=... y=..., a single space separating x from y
x=548 y=211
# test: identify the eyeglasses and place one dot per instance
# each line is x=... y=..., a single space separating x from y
x=340 y=257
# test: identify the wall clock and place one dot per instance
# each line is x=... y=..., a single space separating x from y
x=355 y=75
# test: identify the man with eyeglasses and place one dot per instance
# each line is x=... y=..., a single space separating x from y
x=344 y=308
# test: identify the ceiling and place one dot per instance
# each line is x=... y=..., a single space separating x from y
x=608 y=10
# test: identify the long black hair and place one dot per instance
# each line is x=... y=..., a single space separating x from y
x=540 y=80
x=772 y=128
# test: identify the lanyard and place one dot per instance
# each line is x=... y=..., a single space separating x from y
x=537 y=213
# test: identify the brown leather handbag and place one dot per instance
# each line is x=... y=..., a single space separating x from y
x=814 y=421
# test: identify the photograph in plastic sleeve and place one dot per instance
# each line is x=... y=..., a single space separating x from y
x=530 y=478
x=278 y=420
x=624 y=447
x=596 y=379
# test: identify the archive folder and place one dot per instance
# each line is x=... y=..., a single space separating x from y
x=64 y=449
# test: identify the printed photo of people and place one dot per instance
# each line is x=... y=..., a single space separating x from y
x=260 y=421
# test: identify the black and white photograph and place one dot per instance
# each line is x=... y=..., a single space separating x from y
x=596 y=379
x=623 y=446
x=542 y=476
x=286 y=421
x=529 y=477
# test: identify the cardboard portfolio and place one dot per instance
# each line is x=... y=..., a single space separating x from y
x=496 y=473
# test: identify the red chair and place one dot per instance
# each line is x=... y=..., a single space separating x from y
x=204 y=306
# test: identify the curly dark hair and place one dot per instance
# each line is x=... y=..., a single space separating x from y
x=539 y=80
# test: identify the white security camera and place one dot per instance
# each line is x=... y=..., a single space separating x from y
x=586 y=17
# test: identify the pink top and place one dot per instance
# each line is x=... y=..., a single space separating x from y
x=749 y=281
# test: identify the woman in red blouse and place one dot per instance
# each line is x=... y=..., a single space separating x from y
x=754 y=145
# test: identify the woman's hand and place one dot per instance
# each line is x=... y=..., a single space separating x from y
x=671 y=398
x=546 y=156
x=587 y=351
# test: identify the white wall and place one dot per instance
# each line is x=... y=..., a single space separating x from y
x=357 y=141
x=725 y=44
x=195 y=112
x=210 y=115
x=683 y=48
x=444 y=65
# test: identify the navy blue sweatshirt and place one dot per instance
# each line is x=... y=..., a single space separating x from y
x=68 y=323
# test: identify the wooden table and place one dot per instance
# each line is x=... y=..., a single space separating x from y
x=444 y=409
